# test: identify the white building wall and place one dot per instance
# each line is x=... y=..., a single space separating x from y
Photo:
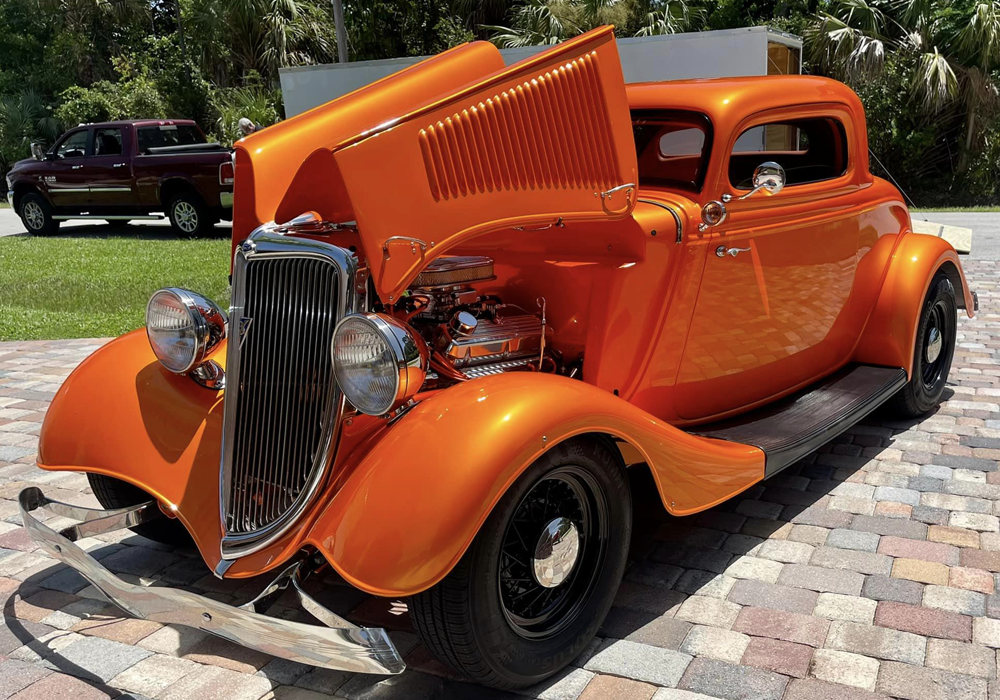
x=719 y=54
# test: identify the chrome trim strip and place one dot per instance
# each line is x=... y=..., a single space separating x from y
x=265 y=243
x=110 y=217
x=339 y=645
x=109 y=189
x=677 y=218
x=56 y=189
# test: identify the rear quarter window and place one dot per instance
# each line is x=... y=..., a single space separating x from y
x=168 y=135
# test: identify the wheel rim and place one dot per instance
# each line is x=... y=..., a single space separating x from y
x=34 y=216
x=186 y=217
x=552 y=552
x=933 y=346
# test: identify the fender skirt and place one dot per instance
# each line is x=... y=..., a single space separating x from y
x=891 y=332
x=413 y=505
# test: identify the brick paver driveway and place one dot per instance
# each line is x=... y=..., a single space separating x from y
x=867 y=570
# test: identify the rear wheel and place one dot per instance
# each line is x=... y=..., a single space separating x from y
x=934 y=350
x=115 y=493
x=538 y=580
x=189 y=216
x=36 y=215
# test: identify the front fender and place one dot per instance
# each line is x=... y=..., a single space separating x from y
x=121 y=414
x=891 y=332
x=407 y=513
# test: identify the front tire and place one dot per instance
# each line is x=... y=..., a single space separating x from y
x=523 y=602
x=189 y=216
x=36 y=215
x=114 y=493
x=933 y=353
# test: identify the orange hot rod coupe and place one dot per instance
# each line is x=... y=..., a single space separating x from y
x=465 y=300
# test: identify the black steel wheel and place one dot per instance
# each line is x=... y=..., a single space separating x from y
x=537 y=582
x=933 y=351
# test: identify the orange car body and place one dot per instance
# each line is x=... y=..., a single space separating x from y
x=469 y=157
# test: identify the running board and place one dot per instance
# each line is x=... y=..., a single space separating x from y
x=791 y=428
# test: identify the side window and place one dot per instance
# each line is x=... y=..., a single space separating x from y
x=810 y=150
x=672 y=148
x=108 y=142
x=74 y=145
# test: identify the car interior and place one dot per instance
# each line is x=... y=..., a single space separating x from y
x=810 y=150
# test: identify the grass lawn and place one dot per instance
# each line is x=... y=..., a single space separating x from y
x=69 y=287
x=955 y=209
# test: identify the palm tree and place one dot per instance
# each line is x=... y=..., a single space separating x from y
x=23 y=118
x=540 y=22
x=954 y=51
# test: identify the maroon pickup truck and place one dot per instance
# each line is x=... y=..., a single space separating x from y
x=118 y=171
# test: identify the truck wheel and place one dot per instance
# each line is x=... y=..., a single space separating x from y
x=189 y=216
x=36 y=215
x=537 y=582
x=933 y=353
x=114 y=493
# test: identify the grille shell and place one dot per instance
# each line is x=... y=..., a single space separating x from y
x=282 y=406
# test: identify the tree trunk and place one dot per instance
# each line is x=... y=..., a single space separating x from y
x=970 y=126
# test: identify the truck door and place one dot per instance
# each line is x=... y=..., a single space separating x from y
x=65 y=179
x=109 y=169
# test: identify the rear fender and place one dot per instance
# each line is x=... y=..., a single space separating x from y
x=890 y=334
x=411 y=508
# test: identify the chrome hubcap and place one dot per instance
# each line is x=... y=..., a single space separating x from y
x=186 y=217
x=556 y=552
x=34 y=215
x=934 y=343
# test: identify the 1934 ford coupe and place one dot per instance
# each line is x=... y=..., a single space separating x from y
x=466 y=300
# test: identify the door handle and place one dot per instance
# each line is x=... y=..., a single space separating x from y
x=118 y=165
x=722 y=251
x=75 y=167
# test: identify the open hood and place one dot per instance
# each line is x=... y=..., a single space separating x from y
x=532 y=145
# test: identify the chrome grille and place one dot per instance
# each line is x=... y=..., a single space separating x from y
x=282 y=404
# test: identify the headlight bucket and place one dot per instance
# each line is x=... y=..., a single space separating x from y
x=380 y=363
x=183 y=328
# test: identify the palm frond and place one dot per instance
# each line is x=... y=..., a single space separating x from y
x=935 y=84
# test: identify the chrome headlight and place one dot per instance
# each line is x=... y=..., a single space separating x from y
x=379 y=362
x=183 y=328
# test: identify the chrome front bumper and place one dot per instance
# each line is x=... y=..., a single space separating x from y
x=339 y=645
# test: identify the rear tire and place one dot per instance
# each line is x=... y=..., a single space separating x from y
x=36 y=215
x=113 y=493
x=933 y=352
x=189 y=216
x=504 y=617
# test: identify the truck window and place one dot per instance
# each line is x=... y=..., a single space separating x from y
x=810 y=150
x=108 y=142
x=74 y=145
x=672 y=148
x=168 y=135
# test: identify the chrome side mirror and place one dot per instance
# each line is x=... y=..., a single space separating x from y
x=37 y=151
x=769 y=177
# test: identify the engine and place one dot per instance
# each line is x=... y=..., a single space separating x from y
x=471 y=334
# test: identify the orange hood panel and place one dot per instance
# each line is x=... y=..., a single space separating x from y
x=451 y=148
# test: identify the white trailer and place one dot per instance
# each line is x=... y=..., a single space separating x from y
x=718 y=54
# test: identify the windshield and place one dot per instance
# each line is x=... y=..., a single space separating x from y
x=168 y=135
